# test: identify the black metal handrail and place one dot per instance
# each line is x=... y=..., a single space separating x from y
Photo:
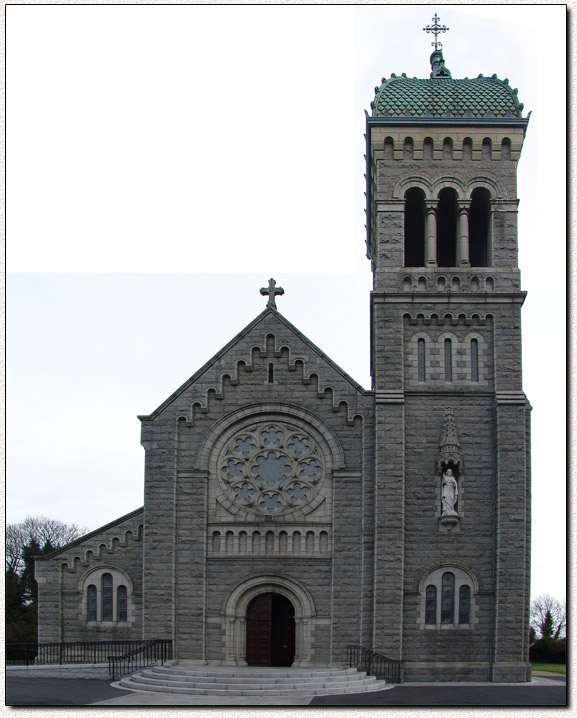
x=26 y=654
x=375 y=664
x=148 y=654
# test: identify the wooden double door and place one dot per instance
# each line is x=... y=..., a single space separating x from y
x=270 y=631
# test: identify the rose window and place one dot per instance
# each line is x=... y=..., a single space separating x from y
x=271 y=468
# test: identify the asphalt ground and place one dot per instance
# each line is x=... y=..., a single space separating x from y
x=549 y=691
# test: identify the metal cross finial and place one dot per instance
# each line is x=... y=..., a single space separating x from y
x=272 y=290
x=436 y=29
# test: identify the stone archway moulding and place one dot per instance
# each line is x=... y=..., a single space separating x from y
x=234 y=614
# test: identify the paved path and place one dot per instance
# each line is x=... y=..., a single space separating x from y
x=543 y=691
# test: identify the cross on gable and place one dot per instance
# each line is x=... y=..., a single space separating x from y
x=272 y=290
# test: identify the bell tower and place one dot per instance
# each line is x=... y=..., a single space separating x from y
x=452 y=553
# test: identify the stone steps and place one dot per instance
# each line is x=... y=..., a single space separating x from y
x=251 y=681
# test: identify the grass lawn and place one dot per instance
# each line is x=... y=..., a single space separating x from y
x=551 y=667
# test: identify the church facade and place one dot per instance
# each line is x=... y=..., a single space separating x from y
x=289 y=512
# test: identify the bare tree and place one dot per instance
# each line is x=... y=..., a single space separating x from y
x=40 y=529
x=549 y=616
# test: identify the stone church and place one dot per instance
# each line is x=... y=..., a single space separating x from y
x=288 y=511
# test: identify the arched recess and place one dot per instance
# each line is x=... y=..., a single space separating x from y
x=480 y=228
x=448 y=183
x=407 y=183
x=414 y=228
x=447 y=226
x=408 y=148
x=235 y=608
x=389 y=148
x=496 y=189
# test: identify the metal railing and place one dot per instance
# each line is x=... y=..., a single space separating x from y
x=375 y=664
x=149 y=653
x=120 y=655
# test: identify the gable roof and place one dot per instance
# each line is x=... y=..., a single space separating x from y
x=88 y=536
x=233 y=342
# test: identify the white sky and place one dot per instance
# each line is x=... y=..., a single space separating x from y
x=163 y=161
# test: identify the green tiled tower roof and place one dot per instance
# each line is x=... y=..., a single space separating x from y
x=442 y=97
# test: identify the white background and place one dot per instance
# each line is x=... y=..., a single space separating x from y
x=164 y=161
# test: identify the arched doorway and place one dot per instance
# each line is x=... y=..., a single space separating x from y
x=270 y=631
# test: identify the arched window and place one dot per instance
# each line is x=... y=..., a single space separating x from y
x=467 y=148
x=431 y=605
x=421 y=359
x=479 y=228
x=486 y=148
x=506 y=149
x=447 y=148
x=414 y=227
x=464 y=605
x=122 y=604
x=428 y=148
x=474 y=360
x=448 y=360
x=448 y=598
x=447 y=218
x=91 y=603
x=107 y=597
x=408 y=148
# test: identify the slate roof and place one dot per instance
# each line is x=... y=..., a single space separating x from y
x=444 y=97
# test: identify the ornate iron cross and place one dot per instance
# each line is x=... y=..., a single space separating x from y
x=272 y=290
x=436 y=29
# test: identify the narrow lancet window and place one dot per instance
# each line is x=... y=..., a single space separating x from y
x=415 y=228
x=448 y=360
x=270 y=373
x=122 y=604
x=91 y=603
x=448 y=598
x=107 y=598
x=421 y=359
x=464 y=605
x=431 y=605
x=474 y=360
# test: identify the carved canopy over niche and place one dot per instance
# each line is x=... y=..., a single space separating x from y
x=271 y=467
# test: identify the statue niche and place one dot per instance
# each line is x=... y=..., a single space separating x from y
x=449 y=469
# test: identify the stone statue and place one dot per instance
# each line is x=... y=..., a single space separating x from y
x=449 y=494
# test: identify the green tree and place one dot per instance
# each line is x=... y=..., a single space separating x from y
x=548 y=616
x=35 y=536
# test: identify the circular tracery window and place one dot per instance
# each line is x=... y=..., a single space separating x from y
x=271 y=468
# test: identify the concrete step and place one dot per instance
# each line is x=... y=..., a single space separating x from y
x=245 y=672
x=316 y=685
x=239 y=681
